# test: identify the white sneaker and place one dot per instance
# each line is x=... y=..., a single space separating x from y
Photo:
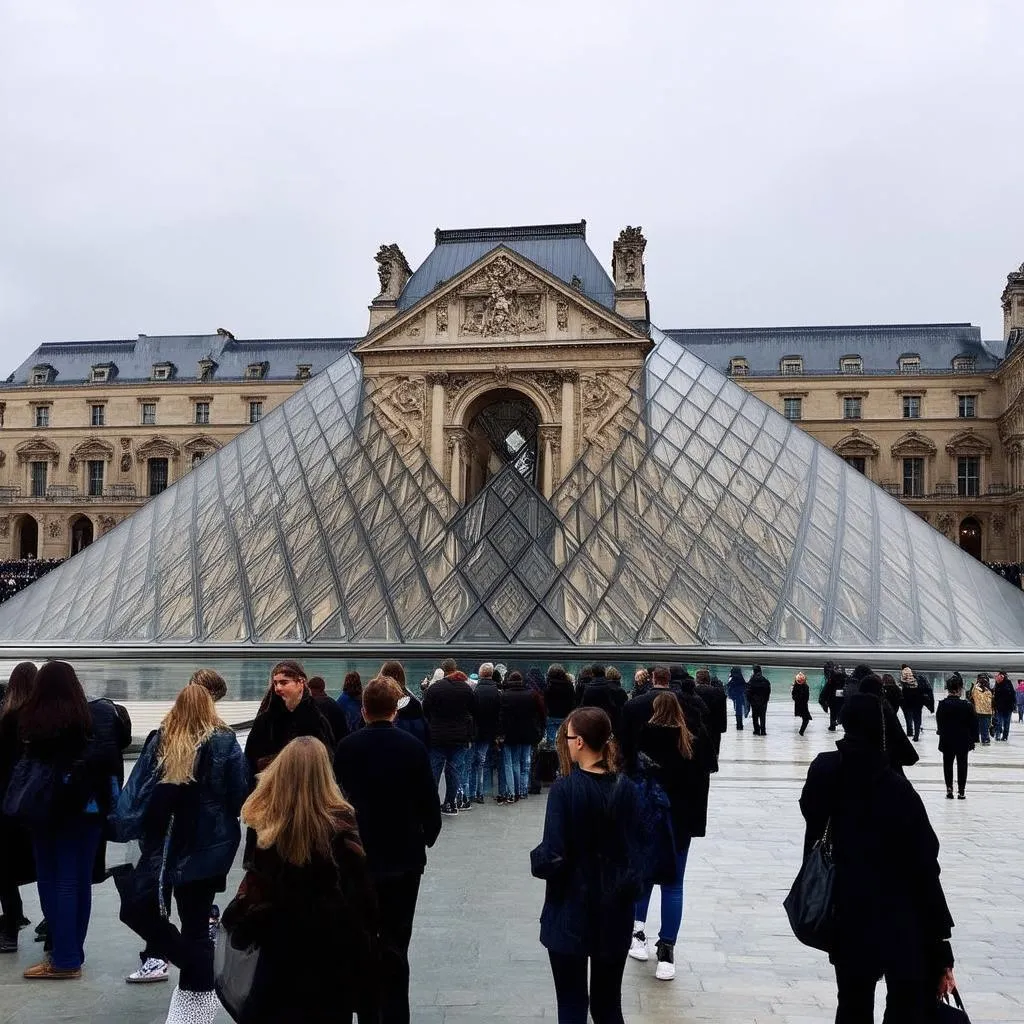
x=666 y=969
x=151 y=970
x=638 y=948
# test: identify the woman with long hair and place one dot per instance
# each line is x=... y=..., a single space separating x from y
x=182 y=803
x=306 y=900
x=350 y=700
x=682 y=762
x=17 y=866
x=56 y=729
x=591 y=865
x=410 y=710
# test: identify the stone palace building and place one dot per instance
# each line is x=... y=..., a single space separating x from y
x=934 y=413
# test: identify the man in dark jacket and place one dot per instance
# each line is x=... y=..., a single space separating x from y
x=831 y=698
x=737 y=693
x=759 y=692
x=637 y=713
x=450 y=709
x=521 y=722
x=896 y=924
x=1004 y=703
x=718 y=707
x=386 y=775
x=602 y=693
x=957 y=723
x=488 y=699
x=329 y=708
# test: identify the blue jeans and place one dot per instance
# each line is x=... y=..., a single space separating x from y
x=479 y=777
x=912 y=716
x=552 y=729
x=739 y=705
x=1003 y=725
x=671 y=901
x=452 y=761
x=984 y=724
x=64 y=857
x=515 y=762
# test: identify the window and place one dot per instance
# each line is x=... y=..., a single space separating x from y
x=792 y=409
x=852 y=408
x=791 y=365
x=968 y=476
x=40 y=377
x=95 y=478
x=149 y=414
x=858 y=462
x=42 y=415
x=99 y=373
x=98 y=415
x=913 y=478
x=255 y=412
x=738 y=367
x=157 y=476
x=38 y=479
x=302 y=371
x=911 y=407
x=197 y=457
x=967 y=406
x=910 y=364
x=963 y=364
x=161 y=371
x=255 y=371
x=851 y=364
x=202 y=412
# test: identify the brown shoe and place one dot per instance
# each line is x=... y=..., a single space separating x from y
x=47 y=972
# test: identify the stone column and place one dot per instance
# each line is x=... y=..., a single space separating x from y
x=570 y=378
x=548 y=435
x=458 y=445
x=437 y=382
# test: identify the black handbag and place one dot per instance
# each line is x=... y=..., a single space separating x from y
x=32 y=793
x=810 y=904
x=234 y=975
x=952 y=1013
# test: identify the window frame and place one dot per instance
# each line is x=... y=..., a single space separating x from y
x=851 y=366
x=961 y=401
x=90 y=467
x=41 y=417
x=791 y=366
x=964 y=478
x=908 y=399
x=860 y=407
x=146 y=407
x=799 y=408
x=150 y=465
x=35 y=475
x=857 y=462
x=964 y=364
x=99 y=420
x=201 y=414
x=909 y=364
x=918 y=462
x=255 y=407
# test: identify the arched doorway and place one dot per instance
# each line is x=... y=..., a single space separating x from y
x=504 y=429
x=26 y=542
x=970 y=536
x=82 y=534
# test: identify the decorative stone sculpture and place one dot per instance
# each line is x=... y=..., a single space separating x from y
x=399 y=400
x=505 y=310
x=393 y=271
x=628 y=260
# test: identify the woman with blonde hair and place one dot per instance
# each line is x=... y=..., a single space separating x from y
x=306 y=901
x=682 y=762
x=181 y=803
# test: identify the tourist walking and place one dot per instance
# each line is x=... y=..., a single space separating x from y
x=912 y=702
x=522 y=722
x=306 y=901
x=981 y=699
x=1004 y=701
x=181 y=804
x=759 y=692
x=736 y=690
x=1020 y=700
x=17 y=865
x=801 y=699
x=590 y=864
x=62 y=787
x=482 y=752
x=350 y=700
x=712 y=693
x=450 y=708
x=682 y=765
x=957 y=723
x=328 y=707
x=895 y=923
x=832 y=692
x=386 y=775
x=892 y=692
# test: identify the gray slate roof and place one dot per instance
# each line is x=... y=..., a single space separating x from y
x=561 y=249
x=821 y=348
x=134 y=360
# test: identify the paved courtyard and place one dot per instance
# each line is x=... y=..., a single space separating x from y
x=475 y=951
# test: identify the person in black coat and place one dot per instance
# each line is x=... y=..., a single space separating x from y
x=831 y=697
x=559 y=699
x=759 y=692
x=958 y=733
x=1004 y=703
x=450 y=710
x=717 y=704
x=488 y=705
x=801 y=699
x=329 y=708
x=386 y=776
x=892 y=692
x=899 y=750
x=522 y=719
x=602 y=693
x=410 y=710
x=893 y=924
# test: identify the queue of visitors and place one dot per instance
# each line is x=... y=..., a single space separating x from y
x=340 y=810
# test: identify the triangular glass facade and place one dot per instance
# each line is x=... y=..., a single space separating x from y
x=714 y=521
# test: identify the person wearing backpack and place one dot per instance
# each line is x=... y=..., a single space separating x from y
x=589 y=861
x=682 y=762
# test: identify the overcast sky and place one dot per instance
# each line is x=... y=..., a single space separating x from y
x=178 y=167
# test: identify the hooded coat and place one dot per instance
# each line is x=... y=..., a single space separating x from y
x=737 y=685
x=276 y=727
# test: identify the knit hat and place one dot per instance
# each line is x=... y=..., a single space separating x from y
x=907 y=675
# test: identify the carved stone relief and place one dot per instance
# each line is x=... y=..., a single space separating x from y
x=441 y=317
x=549 y=381
x=56 y=528
x=393 y=270
x=628 y=259
x=998 y=523
x=72 y=464
x=107 y=523
x=505 y=310
x=603 y=398
x=562 y=314
x=590 y=326
x=5 y=526
x=945 y=522
x=399 y=401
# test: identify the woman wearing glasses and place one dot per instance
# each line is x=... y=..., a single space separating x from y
x=588 y=857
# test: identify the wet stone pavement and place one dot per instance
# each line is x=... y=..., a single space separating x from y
x=475 y=954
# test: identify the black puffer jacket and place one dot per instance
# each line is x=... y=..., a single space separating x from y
x=717 y=705
x=277 y=727
x=560 y=697
x=759 y=691
x=450 y=709
x=604 y=694
x=488 y=709
x=522 y=716
x=957 y=724
x=1004 y=697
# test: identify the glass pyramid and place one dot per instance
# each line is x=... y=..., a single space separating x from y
x=714 y=521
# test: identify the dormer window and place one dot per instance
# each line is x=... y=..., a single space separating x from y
x=738 y=367
x=207 y=368
x=99 y=374
x=42 y=374
x=851 y=364
x=163 y=371
x=910 y=364
x=303 y=371
x=256 y=371
x=963 y=364
x=791 y=366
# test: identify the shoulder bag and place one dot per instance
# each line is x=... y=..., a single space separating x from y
x=952 y=1013
x=810 y=904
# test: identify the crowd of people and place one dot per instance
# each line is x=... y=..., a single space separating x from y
x=340 y=799
x=17 y=574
